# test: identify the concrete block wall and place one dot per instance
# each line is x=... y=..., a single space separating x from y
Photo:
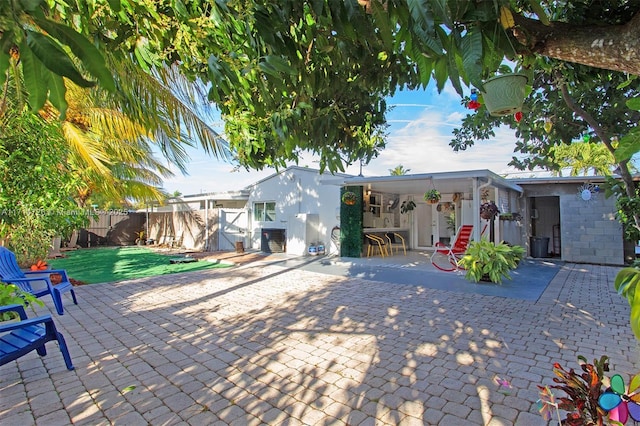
x=590 y=231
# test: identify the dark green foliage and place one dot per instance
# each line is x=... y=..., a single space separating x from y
x=351 y=224
x=35 y=187
x=625 y=207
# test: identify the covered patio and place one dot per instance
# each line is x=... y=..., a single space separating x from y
x=395 y=204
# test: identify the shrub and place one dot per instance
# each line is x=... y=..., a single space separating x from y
x=487 y=261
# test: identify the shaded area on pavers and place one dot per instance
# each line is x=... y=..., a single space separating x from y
x=528 y=281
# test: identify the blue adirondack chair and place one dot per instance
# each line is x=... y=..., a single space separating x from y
x=20 y=338
x=11 y=273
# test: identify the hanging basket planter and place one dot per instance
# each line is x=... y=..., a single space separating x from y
x=349 y=198
x=489 y=210
x=432 y=196
x=504 y=94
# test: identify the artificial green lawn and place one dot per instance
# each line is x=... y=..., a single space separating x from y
x=109 y=264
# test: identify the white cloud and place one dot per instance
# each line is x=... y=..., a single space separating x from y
x=423 y=147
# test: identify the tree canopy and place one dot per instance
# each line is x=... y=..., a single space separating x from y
x=291 y=75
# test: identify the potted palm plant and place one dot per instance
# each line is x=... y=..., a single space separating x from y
x=432 y=196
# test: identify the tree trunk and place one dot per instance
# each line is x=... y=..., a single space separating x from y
x=612 y=47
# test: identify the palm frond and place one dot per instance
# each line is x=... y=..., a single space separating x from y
x=174 y=110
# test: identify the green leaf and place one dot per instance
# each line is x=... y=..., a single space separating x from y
x=421 y=13
x=440 y=72
x=538 y=10
x=280 y=64
x=30 y=5
x=471 y=51
x=634 y=319
x=442 y=12
x=32 y=71
x=82 y=48
x=54 y=58
x=128 y=389
x=115 y=5
x=634 y=103
x=4 y=65
x=626 y=283
x=57 y=91
x=628 y=146
x=143 y=55
x=180 y=9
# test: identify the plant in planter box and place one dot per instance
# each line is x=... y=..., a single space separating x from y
x=510 y=216
x=432 y=196
x=486 y=261
x=10 y=294
x=489 y=210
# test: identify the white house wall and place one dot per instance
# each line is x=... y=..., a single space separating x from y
x=296 y=191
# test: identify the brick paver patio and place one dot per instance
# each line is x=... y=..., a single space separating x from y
x=262 y=344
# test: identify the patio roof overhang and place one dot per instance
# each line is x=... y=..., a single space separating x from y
x=445 y=182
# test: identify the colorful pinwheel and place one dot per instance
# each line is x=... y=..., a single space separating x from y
x=621 y=404
x=504 y=387
x=547 y=403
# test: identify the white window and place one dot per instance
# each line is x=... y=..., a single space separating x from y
x=264 y=211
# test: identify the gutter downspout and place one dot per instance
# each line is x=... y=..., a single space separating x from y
x=206 y=224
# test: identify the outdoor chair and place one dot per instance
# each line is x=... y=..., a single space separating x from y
x=18 y=338
x=446 y=258
x=396 y=240
x=375 y=241
x=11 y=273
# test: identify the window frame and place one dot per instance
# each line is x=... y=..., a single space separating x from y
x=267 y=210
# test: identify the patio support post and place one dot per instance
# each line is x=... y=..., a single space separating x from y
x=351 y=223
x=476 y=209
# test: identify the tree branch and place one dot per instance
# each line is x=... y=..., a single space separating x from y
x=613 y=47
x=602 y=134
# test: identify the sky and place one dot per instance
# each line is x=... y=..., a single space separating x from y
x=421 y=123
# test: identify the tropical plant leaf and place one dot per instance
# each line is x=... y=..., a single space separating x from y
x=628 y=146
x=442 y=12
x=115 y=5
x=626 y=284
x=634 y=103
x=57 y=91
x=538 y=10
x=4 y=65
x=634 y=319
x=34 y=82
x=55 y=58
x=280 y=64
x=81 y=47
x=421 y=13
x=471 y=52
